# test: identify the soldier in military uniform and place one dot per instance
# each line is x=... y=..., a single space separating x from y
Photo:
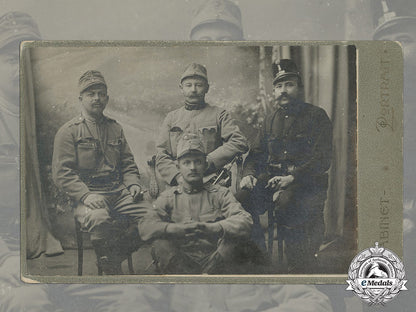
x=287 y=168
x=92 y=163
x=219 y=133
x=195 y=227
x=217 y=20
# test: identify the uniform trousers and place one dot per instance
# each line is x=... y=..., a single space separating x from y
x=177 y=257
x=298 y=213
x=113 y=229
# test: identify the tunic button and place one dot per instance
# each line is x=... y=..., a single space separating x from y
x=285 y=152
x=286 y=116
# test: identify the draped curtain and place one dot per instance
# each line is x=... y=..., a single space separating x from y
x=329 y=77
x=38 y=236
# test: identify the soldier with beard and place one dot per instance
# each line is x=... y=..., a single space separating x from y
x=287 y=169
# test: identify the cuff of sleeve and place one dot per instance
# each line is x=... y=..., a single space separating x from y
x=82 y=198
x=174 y=180
x=212 y=164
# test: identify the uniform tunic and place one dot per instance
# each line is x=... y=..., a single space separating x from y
x=218 y=131
x=212 y=203
x=94 y=157
x=294 y=141
x=297 y=141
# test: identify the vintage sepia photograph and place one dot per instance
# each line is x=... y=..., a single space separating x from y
x=189 y=159
x=381 y=213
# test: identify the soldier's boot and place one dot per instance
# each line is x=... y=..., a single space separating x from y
x=107 y=260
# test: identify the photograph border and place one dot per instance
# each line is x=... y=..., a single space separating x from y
x=379 y=158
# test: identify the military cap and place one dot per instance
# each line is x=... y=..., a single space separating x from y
x=213 y=11
x=193 y=70
x=283 y=69
x=90 y=78
x=190 y=143
x=389 y=14
x=16 y=27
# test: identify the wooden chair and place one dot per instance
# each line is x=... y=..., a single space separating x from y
x=80 y=249
x=271 y=220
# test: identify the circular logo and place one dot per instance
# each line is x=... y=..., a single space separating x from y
x=376 y=275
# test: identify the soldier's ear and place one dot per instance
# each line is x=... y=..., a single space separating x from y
x=180 y=86
x=207 y=86
x=80 y=98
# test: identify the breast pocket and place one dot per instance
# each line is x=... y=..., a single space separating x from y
x=210 y=137
x=87 y=153
x=114 y=150
x=301 y=145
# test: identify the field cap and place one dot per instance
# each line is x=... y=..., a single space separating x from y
x=16 y=27
x=190 y=143
x=90 y=78
x=195 y=70
x=214 y=11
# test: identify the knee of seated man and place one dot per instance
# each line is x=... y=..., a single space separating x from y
x=231 y=250
x=91 y=218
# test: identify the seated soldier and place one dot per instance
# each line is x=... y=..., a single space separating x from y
x=92 y=163
x=195 y=227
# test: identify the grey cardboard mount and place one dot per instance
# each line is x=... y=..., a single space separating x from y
x=379 y=157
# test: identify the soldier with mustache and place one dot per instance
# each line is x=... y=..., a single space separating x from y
x=93 y=164
x=286 y=170
x=219 y=132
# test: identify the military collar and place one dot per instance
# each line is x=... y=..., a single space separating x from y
x=193 y=190
x=291 y=109
x=82 y=118
x=189 y=106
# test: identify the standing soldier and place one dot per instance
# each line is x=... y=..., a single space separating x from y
x=217 y=20
x=92 y=163
x=219 y=133
x=287 y=168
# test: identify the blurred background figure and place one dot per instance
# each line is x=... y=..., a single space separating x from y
x=396 y=20
x=217 y=20
x=14 y=27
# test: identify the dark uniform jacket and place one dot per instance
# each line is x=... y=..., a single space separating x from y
x=295 y=141
x=218 y=131
x=301 y=146
x=90 y=156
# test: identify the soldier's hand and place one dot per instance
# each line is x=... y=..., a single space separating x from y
x=136 y=192
x=181 y=230
x=95 y=201
x=248 y=182
x=210 y=229
x=273 y=183
x=285 y=181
